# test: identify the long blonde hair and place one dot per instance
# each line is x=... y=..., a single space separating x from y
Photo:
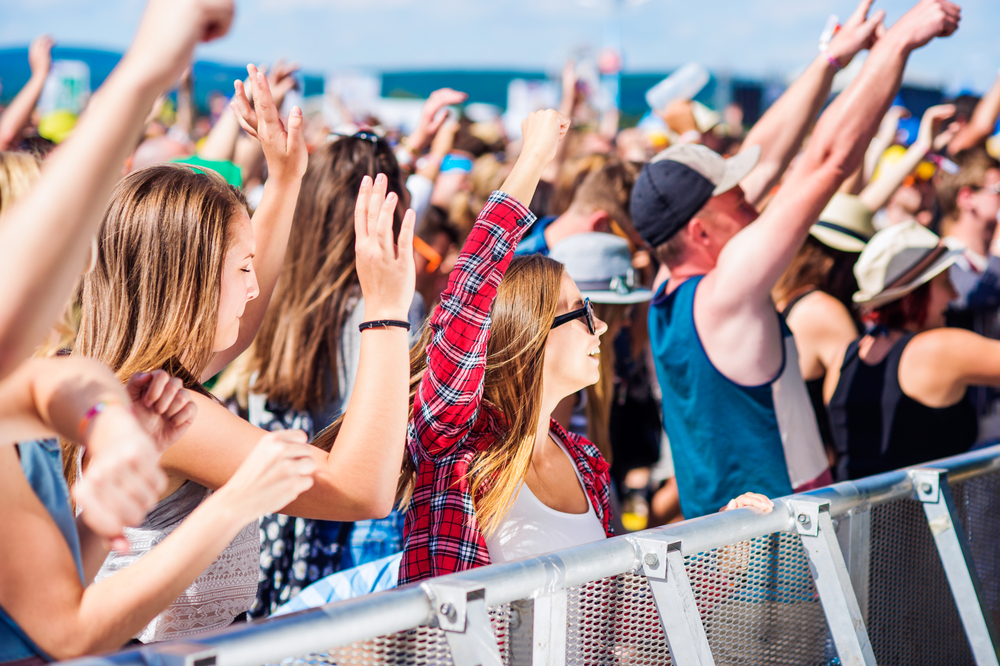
x=152 y=300
x=521 y=316
x=18 y=172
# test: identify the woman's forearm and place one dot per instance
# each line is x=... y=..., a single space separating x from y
x=17 y=115
x=115 y=609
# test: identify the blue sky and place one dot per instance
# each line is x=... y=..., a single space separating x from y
x=752 y=37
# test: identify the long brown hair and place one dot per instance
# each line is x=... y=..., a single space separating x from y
x=601 y=394
x=297 y=349
x=521 y=316
x=818 y=266
x=152 y=300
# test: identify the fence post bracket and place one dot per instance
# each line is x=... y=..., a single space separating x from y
x=662 y=562
x=460 y=610
x=930 y=486
x=179 y=654
x=833 y=582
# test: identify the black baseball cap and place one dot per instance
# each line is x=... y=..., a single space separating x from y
x=678 y=182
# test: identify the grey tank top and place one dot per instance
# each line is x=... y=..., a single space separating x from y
x=226 y=589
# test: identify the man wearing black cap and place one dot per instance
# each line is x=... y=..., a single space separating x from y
x=734 y=404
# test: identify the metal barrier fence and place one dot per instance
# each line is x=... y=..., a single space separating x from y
x=899 y=569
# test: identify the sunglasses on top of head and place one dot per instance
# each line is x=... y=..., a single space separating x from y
x=586 y=313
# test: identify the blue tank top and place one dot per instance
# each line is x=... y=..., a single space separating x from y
x=42 y=465
x=725 y=438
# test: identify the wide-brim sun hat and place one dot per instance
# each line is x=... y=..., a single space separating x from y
x=845 y=224
x=601 y=266
x=898 y=260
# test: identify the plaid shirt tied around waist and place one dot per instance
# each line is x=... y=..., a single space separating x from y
x=451 y=424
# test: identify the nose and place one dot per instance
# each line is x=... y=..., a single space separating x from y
x=253 y=289
x=600 y=327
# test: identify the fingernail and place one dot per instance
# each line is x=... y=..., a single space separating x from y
x=380 y=178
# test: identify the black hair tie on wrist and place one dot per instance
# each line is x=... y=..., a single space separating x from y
x=384 y=323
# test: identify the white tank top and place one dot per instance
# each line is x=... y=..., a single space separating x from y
x=531 y=528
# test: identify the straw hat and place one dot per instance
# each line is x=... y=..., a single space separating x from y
x=845 y=224
x=601 y=266
x=897 y=260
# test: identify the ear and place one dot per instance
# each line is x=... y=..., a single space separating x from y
x=599 y=220
x=697 y=231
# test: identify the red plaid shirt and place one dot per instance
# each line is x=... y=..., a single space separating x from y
x=451 y=424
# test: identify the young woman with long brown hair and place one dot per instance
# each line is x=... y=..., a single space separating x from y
x=492 y=477
x=176 y=287
x=302 y=368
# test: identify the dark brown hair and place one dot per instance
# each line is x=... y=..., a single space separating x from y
x=296 y=351
x=816 y=265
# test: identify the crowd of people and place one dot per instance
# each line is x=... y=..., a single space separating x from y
x=241 y=354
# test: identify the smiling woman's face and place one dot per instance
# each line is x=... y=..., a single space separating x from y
x=239 y=283
x=572 y=360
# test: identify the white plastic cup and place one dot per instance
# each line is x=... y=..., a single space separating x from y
x=683 y=84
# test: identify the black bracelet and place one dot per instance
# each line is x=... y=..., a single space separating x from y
x=384 y=323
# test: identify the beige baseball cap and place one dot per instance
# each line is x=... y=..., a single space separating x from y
x=897 y=260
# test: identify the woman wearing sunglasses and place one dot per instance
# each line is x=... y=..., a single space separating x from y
x=490 y=477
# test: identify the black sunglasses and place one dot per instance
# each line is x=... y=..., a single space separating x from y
x=586 y=312
x=366 y=136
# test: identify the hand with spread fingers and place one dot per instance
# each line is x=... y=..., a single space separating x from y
x=284 y=147
x=431 y=116
x=386 y=269
x=858 y=33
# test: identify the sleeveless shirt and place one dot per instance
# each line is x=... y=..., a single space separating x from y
x=41 y=463
x=878 y=428
x=726 y=438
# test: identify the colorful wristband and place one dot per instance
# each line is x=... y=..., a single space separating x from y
x=384 y=323
x=91 y=415
x=833 y=61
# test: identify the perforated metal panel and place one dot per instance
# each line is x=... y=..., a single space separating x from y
x=424 y=646
x=759 y=604
x=912 y=618
x=978 y=502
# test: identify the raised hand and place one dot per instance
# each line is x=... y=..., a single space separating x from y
x=277 y=471
x=123 y=479
x=933 y=134
x=284 y=148
x=385 y=269
x=857 y=34
x=750 y=500
x=542 y=132
x=162 y=405
x=431 y=117
x=926 y=20
x=167 y=35
x=40 y=55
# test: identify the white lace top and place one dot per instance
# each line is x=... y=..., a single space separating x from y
x=226 y=589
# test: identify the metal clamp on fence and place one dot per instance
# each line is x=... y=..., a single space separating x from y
x=460 y=609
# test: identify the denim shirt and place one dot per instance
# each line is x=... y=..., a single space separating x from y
x=41 y=462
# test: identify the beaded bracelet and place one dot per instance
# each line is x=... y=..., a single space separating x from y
x=91 y=415
x=384 y=323
x=830 y=58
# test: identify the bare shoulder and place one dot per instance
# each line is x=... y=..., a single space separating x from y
x=820 y=314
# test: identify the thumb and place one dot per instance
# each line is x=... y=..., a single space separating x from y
x=137 y=383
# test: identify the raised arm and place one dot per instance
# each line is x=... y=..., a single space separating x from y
x=981 y=124
x=46 y=237
x=287 y=158
x=17 y=115
x=450 y=393
x=876 y=194
x=751 y=263
x=782 y=129
x=357 y=460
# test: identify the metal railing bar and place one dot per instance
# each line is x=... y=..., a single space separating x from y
x=347 y=622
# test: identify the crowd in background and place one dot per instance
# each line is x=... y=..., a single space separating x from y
x=246 y=353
